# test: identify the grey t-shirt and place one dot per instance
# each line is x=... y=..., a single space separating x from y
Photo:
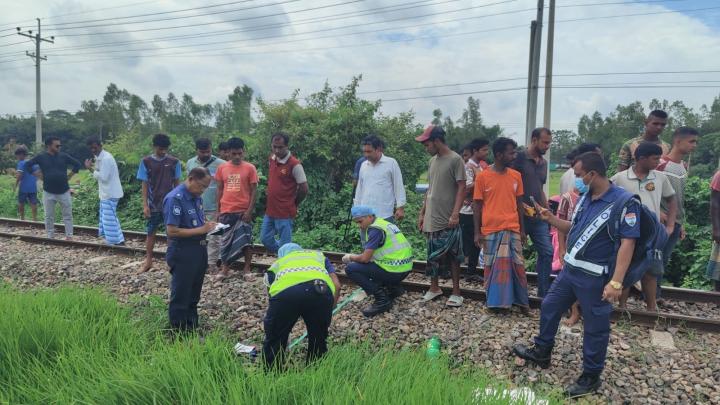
x=534 y=176
x=443 y=175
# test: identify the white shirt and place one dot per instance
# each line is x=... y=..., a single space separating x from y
x=107 y=175
x=471 y=167
x=567 y=181
x=652 y=189
x=380 y=186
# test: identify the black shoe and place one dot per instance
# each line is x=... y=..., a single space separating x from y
x=539 y=355
x=395 y=291
x=586 y=384
x=382 y=303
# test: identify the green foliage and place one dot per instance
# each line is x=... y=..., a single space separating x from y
x=80 y=346
x=563 y=141
x=690 y=257
x=468 y=127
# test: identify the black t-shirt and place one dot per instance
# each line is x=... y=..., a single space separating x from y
x=534 y=176
x=54 y=170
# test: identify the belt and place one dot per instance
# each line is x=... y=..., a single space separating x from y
x=199 y=242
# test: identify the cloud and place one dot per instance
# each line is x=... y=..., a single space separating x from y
x=411 y=53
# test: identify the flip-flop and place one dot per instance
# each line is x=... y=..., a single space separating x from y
x=431 y=295
x=454 y=301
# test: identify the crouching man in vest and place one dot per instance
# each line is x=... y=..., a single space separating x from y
x=302 y=283
x=385 y=261
x=589 y=274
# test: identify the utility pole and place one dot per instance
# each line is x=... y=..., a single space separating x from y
x=37 y=58
x=547 y=107
x=536 y=40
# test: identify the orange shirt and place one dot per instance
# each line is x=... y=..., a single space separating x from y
x=236 y=181
x=498 y=192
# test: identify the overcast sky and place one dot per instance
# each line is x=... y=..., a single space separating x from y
x=276 y=46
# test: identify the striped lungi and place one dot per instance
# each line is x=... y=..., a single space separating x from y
x=109 y=225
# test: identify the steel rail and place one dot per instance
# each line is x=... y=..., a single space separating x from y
x=638 y=317
x=670 y=293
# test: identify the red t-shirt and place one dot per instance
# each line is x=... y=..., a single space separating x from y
x=236 y=182
x=281 y=189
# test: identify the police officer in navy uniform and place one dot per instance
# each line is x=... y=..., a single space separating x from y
x=187 y=247
x=301 y=283
x=587 y=275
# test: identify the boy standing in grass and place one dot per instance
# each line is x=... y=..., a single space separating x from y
x=159 y=174
x=27 y=183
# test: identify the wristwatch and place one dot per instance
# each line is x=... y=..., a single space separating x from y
x=616 y=285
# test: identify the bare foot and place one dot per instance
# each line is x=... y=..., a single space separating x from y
x=249 y=277
x=222 y=275
x=572 y=320
x=146 y=266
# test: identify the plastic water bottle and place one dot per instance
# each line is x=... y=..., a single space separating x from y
x=433 y=347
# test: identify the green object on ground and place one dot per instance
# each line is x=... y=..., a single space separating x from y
x=337 y=308
x=433 y=347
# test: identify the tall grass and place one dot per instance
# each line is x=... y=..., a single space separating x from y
x=80 y=346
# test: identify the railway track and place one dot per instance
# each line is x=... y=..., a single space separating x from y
x=670 y=293
x=650 y=319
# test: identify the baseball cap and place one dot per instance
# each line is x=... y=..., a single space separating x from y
x=430 y=133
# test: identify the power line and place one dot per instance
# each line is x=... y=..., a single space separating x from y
x=225 y=47
x=380 y=22
x=15 y=24
x=153 y=14
x=255 y=28
x=346 y=46
x=216 y=22
x=178 y=17
x=260 y=27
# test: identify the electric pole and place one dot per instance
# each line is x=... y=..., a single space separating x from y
x=37 y=58
x=547 y=107
x=534 y=69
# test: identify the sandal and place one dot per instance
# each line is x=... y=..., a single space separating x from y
x=455 y=301
x=431 y=295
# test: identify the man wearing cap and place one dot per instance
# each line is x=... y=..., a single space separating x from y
x=384 y=263
x=440 y=213
x=301 y=283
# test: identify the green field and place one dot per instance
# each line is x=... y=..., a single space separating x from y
x=81 y=346
x=555 y=182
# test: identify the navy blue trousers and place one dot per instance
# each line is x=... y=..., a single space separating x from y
x=568 y=287
x=188 y=264
x=371 y=277
x=285 y=309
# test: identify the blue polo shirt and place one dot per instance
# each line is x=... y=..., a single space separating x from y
x=182 y=209
x=600 y=249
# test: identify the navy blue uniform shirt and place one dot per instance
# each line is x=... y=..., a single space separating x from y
x=600 y=249
x=183 y=210
x=375 y=239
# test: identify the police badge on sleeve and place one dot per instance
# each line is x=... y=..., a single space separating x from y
x=176 y=210
x=630 y=219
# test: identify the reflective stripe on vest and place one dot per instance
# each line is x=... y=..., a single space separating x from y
x=587 y=234
x=395 y=255
x=299 y=267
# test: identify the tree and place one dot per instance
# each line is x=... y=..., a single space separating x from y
x=563 y=141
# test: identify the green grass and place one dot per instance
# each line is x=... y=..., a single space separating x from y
x=555 y=182
x=80 y=346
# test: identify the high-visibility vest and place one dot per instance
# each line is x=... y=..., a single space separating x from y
x=395 y=255
x=298 y=267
